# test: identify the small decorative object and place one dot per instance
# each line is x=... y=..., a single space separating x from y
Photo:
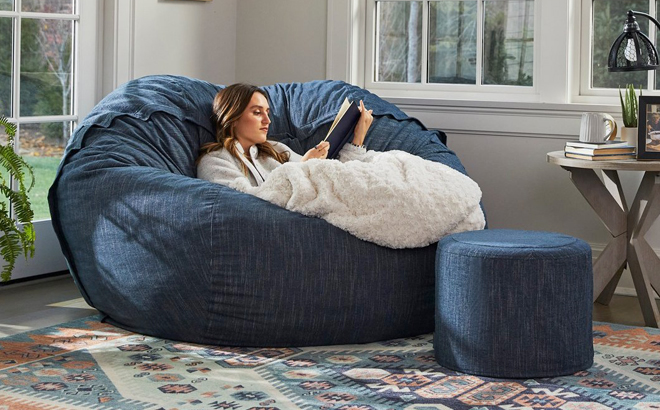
x=597 y=127
x=648 y=130
x=633 y=50
x=17 y=235
x=629 y=109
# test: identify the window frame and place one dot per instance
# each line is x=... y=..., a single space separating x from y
x=585 y=93
x=419 y=89
x=86 y=41
x=85 y=38
x=558 y=79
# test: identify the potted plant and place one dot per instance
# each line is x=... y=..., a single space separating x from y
x=17 y=235
x=629 y=114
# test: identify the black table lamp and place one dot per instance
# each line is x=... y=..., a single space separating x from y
x=633 y=50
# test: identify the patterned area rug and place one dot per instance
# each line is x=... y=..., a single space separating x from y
x=86 y=364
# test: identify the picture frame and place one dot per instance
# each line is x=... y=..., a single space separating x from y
x=648 y=128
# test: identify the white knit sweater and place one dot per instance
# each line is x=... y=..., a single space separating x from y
x=222 y=167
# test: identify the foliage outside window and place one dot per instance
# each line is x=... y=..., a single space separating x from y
x=479 y=42
x=36 y=84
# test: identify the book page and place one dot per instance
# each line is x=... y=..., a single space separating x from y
x=342 y=111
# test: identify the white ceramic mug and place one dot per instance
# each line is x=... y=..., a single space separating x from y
x=597 y=127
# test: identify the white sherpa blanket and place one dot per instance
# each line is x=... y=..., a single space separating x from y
x=396 y=199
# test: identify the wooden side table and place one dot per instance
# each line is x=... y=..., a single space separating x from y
x=626 y=225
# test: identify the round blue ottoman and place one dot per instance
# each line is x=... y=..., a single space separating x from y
x=513 y=304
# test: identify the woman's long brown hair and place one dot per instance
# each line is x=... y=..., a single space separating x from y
x=228 y=106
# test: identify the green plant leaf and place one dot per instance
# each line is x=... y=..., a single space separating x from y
x=629 y=105
x=16 y=239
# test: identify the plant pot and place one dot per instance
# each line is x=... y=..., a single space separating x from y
x=629 y=134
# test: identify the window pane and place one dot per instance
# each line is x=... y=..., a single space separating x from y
x=508 y=42
x=46 y=63
x=42 y=146
x=6 y=5
x=47 y=6
x=399 y=41
x=6 y=46
x=453 y=42
x=609 y=17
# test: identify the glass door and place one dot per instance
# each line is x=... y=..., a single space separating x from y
x=44 y=45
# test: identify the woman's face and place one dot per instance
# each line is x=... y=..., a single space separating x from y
x=252 y=126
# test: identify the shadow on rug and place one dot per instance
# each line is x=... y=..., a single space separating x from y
x=86 y=364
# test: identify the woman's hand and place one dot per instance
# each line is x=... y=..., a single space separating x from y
x=320 y=151
x=362 y=125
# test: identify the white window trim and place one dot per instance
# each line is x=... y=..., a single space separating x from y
x=559 y=55
x=345 y=41
x=119 y=44
x=89 y=61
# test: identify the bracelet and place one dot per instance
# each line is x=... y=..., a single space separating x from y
x=358 y=146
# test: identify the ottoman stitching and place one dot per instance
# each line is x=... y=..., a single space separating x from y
x=511 y=257
x=496 y=246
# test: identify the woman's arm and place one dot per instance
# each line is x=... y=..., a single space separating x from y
x=320 y=151
x=350 y=152
x=356 y=151
x=362 y=125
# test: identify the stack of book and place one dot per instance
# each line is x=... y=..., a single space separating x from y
x=599 y=151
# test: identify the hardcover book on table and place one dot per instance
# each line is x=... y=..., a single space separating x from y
x=600 y=151
x=599 y=145
x=600 y=157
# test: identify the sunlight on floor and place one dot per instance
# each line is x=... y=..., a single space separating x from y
x=78 y=303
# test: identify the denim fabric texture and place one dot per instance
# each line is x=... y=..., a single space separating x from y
x=513 y=304
x=162 y=253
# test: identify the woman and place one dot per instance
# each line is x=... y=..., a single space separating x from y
x=241 y=150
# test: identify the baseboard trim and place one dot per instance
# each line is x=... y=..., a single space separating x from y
x=34 y=279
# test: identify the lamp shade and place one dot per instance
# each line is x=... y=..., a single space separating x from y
x=632 y=50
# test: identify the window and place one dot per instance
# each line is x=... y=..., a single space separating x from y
x=43 y=43
x=605 y=19
x=449 y=42
x=38 y=40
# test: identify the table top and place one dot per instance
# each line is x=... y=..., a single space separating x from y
x=558 y=158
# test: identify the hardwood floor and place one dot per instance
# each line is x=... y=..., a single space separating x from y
x=40 y=303
x=624 y=310
x=32 y=305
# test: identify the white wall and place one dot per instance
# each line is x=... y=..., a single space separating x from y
x=280 y=41
x=191 y=38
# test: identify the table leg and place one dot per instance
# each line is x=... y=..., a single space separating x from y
x=607 y=200
x=643 y=261
x=613 y=184
x=608 y=269
x=601 y=199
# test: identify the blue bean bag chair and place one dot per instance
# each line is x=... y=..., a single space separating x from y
x=162 y=253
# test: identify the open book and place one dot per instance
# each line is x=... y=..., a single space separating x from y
x=342 y=127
